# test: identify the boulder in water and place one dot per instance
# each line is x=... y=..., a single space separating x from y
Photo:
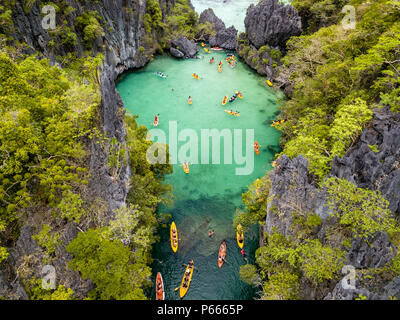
x=224 y=37
x=182 y=47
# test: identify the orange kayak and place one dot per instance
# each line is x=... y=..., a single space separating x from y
x=160 y=293
x=256 y=147
x=225 y=100
x=222 y=253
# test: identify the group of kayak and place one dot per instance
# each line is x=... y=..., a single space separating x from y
x=277 y=123
x=187 y=276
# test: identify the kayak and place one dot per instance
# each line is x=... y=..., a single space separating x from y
x=217 y=48
x=269 y=83
x=212 y=60
x=183 y=289
x=195 y=76
x=239 y=236
x=256 y=147
x=155 y=123
x=220 y=68
x=239 y=94
x=186 y=168
x=162 y=76
x=206 y=50
x=225 y=100
x=160 y=294
x=190 y=101
x=222 y=253
x=232 y=113
x=202 y=44
x=173 y=228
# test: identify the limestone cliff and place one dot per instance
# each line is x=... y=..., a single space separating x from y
x=293 y=189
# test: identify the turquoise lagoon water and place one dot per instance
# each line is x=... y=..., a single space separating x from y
x=208 y=197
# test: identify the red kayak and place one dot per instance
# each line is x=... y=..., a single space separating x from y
x=212 y=60
x=256 y=147
x=160 y=293
x=216 y=48
x=155 y=123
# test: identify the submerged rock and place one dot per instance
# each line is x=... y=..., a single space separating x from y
x=272 y=23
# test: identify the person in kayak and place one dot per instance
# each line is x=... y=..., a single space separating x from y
x=159 y=289
x=243 y=254
x=190 y=100
x=211 y=233
x=220 y=63
x=212 y=60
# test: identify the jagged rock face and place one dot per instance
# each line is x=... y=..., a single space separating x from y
x=291 y=189
x=272 y=23
x=375 y=170
x=224 y=37
x=182 y=47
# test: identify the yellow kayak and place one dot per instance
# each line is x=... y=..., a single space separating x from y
x=269 y=83
x=240 y=236
x=188 y=277
x=237 y=114
x=206 y=50
x=186 y=168
x=174 y=237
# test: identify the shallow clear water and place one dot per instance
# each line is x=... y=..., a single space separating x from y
x=208 y=196
x=231 y=12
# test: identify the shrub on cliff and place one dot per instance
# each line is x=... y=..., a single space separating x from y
x=339 y=76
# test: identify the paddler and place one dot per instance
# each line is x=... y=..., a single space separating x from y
x=190 y=100
x=212 y=60
x=211 y=233
x=243 y=254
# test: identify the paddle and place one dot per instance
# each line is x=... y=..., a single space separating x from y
x=184 y=265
